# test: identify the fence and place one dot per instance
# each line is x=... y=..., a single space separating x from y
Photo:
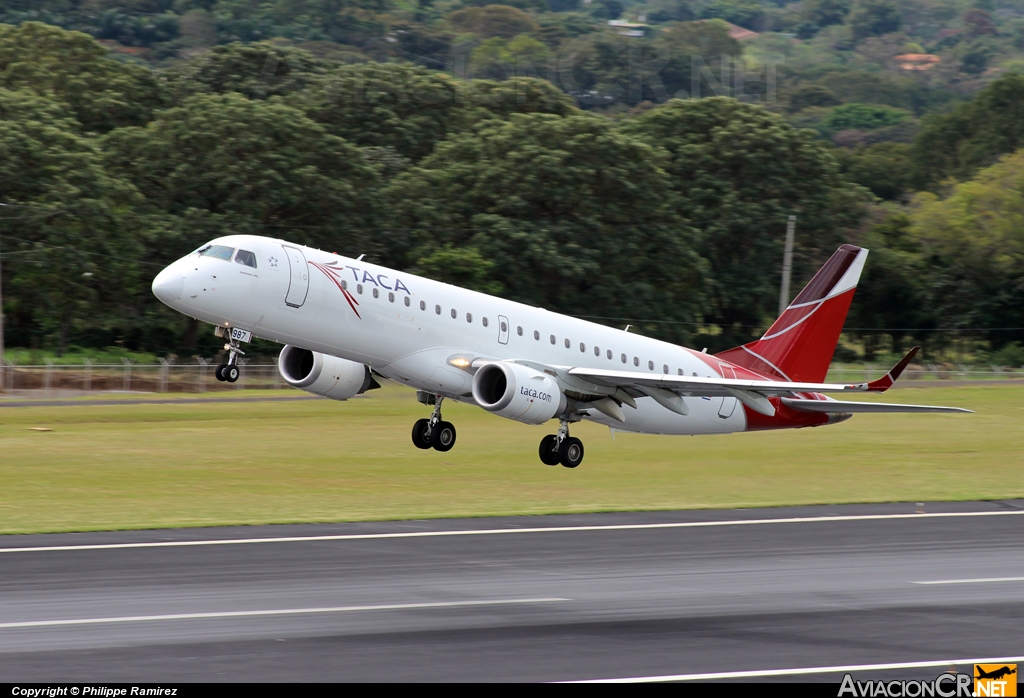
x=164 y=377
x=856 y=373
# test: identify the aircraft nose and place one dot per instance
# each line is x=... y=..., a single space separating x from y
x=169 y=285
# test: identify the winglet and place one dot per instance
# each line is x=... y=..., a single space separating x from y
x=885 y=382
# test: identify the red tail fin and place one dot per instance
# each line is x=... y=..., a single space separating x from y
x=800 y=344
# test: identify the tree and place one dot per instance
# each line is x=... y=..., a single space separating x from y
x=894 y=291
x=222 y=163
x=73 y=68
x=67 y=247
x=824 y=13
x=488 y=99
x=874 y=18
x=971 y=136
x=257 y=71
x=738 y=172
x=883 y=168
x=397 y=105
x=493 y=20
x=498 y=58
x=974 y=242
x=574 y=216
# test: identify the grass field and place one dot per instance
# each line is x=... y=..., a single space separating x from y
x=145 y=466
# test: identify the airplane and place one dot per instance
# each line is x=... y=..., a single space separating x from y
x=346 y=322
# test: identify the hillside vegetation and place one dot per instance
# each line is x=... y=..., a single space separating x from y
x=529 y=150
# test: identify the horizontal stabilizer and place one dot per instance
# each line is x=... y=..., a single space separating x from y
x=839 y=406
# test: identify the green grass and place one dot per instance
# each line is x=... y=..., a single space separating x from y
x=144 y=466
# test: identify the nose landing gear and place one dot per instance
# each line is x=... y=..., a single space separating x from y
x=230 y=371
x=434 y=432
x=561 y=448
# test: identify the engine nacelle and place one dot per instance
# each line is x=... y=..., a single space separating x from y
x=518 y=392
x=323 y=374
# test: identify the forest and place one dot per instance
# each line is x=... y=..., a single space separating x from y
x=630 y=163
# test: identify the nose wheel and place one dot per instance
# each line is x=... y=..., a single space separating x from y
x=230 y=371
x=561 y=448
x=434 y=432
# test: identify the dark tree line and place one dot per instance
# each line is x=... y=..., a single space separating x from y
x=671 y=218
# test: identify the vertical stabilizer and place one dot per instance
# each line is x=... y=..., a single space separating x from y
x=800 y=344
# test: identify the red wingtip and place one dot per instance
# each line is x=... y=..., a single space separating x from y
x=887 y=381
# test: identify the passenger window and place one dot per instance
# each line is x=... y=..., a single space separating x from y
x=246 y=257
x=437 y=309
x=391 y=298
x=680 y=371
x=597 y=351
x=583 y=348
x=407 y=301
x=636 y=361
x=504 y=327
x=623 y=358
x=376 y=293
x=694 y=374
x=423 y=305
x=359 y=289
x=650 y=365
x=567 y=343
x=519 y=331
x=666 y=368
x=344 y=285
x=552 y=339
x=483 y=322
x=536 y=334
x=455 y=314
x=469 y=317
x=609 y=354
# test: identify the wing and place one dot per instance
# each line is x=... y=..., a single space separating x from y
x=840 y=406
x=607 y=390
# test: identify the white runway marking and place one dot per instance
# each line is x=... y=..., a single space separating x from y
x=984 y=580
x=274 y=612
x=508 y=531
x=848 y=669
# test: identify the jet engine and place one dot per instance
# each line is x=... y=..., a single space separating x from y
x=323 y=374
x=517 y=392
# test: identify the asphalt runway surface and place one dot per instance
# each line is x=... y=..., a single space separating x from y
x=680 y=595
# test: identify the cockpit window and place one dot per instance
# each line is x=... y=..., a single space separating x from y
x=246 y=257
x=217 y=251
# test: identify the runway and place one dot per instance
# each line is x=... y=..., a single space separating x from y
x=774 y=594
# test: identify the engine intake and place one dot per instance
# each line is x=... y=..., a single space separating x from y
x=518 y=392
x=323 y=374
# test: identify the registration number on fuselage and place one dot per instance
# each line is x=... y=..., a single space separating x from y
x=241 y=335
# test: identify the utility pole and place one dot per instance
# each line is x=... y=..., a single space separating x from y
x=787 y=265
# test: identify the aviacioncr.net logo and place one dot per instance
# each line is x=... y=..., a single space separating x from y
x=943 y=686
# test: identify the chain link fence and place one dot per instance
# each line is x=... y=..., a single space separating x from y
x=165 y=377
x=857 y=373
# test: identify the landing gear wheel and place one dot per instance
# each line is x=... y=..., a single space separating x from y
x=420 y=438
x=219 y=372
x=549 y=450
x=571 y=452
x=231 y=373
x=443 y=436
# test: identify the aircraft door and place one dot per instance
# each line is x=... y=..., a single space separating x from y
x=502 y=329
x=728 y=403
x=298 y=285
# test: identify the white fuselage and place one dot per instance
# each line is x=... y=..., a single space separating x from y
x=407 y=327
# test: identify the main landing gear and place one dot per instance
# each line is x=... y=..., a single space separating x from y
x=561 y=448
x=230 y=371
x=434 y=432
